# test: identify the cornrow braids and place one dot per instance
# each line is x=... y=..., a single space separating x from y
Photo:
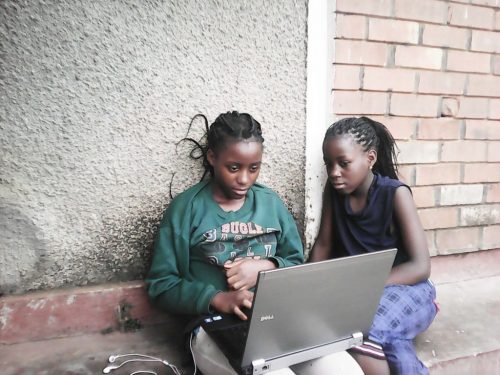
x=227 y=128
x=369 y=134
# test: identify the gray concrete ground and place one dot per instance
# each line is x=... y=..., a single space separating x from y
x=465 y=336
x=88 y=354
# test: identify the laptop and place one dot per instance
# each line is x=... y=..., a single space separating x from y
x=303 y=312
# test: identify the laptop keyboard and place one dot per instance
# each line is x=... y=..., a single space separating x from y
x=235 y=337
x=229 y=333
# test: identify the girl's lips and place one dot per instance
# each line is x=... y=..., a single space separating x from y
x=240 y=191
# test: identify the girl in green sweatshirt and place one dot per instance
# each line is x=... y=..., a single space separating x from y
x=217 y=235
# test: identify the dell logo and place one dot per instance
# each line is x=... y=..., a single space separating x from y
x=266 y=317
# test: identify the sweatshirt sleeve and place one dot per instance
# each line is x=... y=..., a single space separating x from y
x=170 y=285
x=289 y=251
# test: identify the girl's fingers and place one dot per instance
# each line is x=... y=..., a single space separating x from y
x=239 y=313
x=247 y=303
x=231 y=263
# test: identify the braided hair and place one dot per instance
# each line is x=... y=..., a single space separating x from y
x=227 y=128
x=369 y=134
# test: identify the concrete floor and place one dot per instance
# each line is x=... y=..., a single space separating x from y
x=88 y=354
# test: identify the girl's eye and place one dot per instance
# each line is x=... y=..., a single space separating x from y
x=344 y=164
x=233 y=168
x=254 y=168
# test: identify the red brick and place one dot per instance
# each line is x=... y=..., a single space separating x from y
x=482 y=129
x=493 y=3
x=419 y=57
x=441 y=83
x=467 y=267
x=351 y=27
x=450 y=241
x=390 y=30
x=493 y=193
x=463 y=61
x=496 y=65
x=491 y=237
x=450 y=107
x=360 y=52
x=452 y=195
x=405 y=174
x=445 y=36
x=493 y=151
x=379 y=7
x=431 y=243
x=467 y=151
x=437 y=174
x=423 y=10
x=414 y=105
x=347 y=77
x=473 y=108
x=359 y=102
x=401 y=128
x=418 y=152
x=481 y=172
x=424 y=196
x=494 y=109
x=482 y=85
x=480 y=215
x=385 y=79
x=439 y=217
x=439 y=128
x=471 y=16
x=485 y=41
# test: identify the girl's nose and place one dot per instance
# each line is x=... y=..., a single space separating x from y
x=243 y=178
x=335 y=172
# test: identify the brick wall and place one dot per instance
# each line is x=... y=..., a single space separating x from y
x=430 y=71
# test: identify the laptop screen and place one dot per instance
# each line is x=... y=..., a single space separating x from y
x=310 y=305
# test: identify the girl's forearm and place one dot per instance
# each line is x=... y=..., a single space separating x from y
x=408 y=273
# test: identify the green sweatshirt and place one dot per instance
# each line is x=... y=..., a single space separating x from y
x=196 y=237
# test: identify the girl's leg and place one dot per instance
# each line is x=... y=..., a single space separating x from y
x=210 y=360
x=404 y=312
x=403 y=359
x=372 y=366
x=333 y=364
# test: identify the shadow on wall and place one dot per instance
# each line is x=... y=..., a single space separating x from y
x=22 y=251
x=125 y=247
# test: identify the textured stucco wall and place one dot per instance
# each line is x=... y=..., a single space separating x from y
x=94 y=96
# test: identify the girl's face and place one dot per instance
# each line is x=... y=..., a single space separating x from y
x=347 y=164
x=236 y=168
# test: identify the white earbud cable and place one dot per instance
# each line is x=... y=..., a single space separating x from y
x=146 y=358
x=192 y=353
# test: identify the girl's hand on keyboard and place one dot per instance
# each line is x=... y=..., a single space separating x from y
x=233 y=302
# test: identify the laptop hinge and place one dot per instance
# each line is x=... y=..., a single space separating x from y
x=261 y=366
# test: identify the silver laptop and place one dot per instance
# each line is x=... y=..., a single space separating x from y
x=304 y=312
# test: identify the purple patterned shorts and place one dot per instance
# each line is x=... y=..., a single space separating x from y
x=404 y=311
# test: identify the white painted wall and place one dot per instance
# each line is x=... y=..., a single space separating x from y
x=320 y=32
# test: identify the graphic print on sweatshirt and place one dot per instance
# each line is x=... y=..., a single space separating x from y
x=237 y=240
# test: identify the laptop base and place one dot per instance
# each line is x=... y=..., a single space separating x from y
x=261 y=366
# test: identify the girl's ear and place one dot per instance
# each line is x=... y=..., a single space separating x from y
x=211 y=157
x=372 y=157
